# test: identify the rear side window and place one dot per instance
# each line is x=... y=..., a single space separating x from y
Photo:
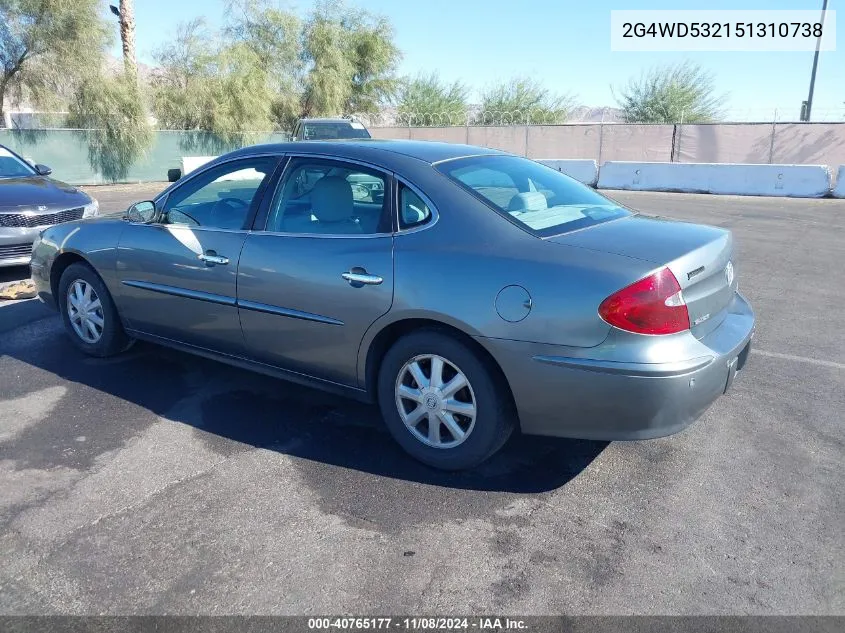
x=542 y=200
x=413 y=211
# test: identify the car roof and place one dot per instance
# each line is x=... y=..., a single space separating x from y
x=426 y=151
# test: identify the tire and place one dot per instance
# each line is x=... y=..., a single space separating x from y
x=484 y=433
x=112 y=338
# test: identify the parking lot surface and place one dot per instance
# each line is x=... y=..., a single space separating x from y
x=156 y=482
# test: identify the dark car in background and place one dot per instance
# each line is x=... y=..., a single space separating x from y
x=328 y=129
x=31 y=201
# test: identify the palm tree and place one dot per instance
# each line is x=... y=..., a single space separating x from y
x=126 y=15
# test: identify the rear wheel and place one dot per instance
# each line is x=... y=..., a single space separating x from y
x=441 y=403
x=89 y=314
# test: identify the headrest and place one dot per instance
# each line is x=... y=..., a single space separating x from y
x=331 y=199
x=530 y=201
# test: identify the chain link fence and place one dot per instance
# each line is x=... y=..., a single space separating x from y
x=598 y=134
x=602 y=134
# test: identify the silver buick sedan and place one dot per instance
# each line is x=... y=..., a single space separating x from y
x=467 y=291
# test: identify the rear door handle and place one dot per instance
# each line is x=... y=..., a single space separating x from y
x=213 y=258
x=362 y=279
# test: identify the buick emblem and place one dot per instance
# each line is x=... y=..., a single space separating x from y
x=729 y=273
x=41 y=207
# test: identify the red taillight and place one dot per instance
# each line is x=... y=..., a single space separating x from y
x=653 y=305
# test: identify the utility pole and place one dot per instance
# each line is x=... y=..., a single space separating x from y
x=807 y=106
x=126 y=15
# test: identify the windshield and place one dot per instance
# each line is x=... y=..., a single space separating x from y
x=13 y=167
x=325 y=131
x=541 y=199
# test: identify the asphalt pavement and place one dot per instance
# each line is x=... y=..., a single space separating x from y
x=156 y=482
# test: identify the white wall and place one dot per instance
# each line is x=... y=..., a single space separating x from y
x=839 y=191
x=803 y=181
x=190 y=163
x=587 y=171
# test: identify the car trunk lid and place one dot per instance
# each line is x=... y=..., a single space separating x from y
x=699 y=257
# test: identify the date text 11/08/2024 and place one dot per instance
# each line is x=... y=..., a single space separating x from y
x=416 y=623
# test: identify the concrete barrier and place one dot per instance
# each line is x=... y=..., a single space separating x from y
x=839 y=190
x=587 y=171
x=190 y=163
x=799 y=181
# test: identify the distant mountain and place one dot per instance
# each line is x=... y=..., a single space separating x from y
x=114 y=65
x=586 y=114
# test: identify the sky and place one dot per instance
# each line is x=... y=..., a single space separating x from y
x=564 y=43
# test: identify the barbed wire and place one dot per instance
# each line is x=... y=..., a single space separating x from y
x=392 y=117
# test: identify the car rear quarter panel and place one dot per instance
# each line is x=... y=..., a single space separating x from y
x=453 y=271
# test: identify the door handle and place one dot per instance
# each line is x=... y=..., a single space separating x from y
x=358 y=279
x=212 y=258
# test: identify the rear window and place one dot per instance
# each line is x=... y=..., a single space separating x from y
x=326 y=131
x=542 y=200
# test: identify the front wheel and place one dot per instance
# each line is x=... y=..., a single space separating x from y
x=89 y=314
x=441 y=403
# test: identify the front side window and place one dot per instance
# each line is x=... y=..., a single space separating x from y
x=330 y=198
x=221 y=197
x=542 y=200
x=13 y=167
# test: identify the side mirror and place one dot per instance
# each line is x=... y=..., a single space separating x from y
x=141 y=212
x=43 y=170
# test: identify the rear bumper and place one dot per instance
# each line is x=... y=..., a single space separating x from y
x=16 y=245
x=560 y=395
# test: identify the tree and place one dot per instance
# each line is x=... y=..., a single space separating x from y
x=522 y=100
x=179 y=82
x=374 y=60
x=110 y=114
x=672 y=94
x=208 y=85
x=275 y=36
x=428 y=100
x=350 y=60
x=46 y=46
x=127 y=35
x=338 y=60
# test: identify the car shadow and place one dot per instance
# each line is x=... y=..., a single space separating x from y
x=16 y=313
x=230 y=408
x=13 y=273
